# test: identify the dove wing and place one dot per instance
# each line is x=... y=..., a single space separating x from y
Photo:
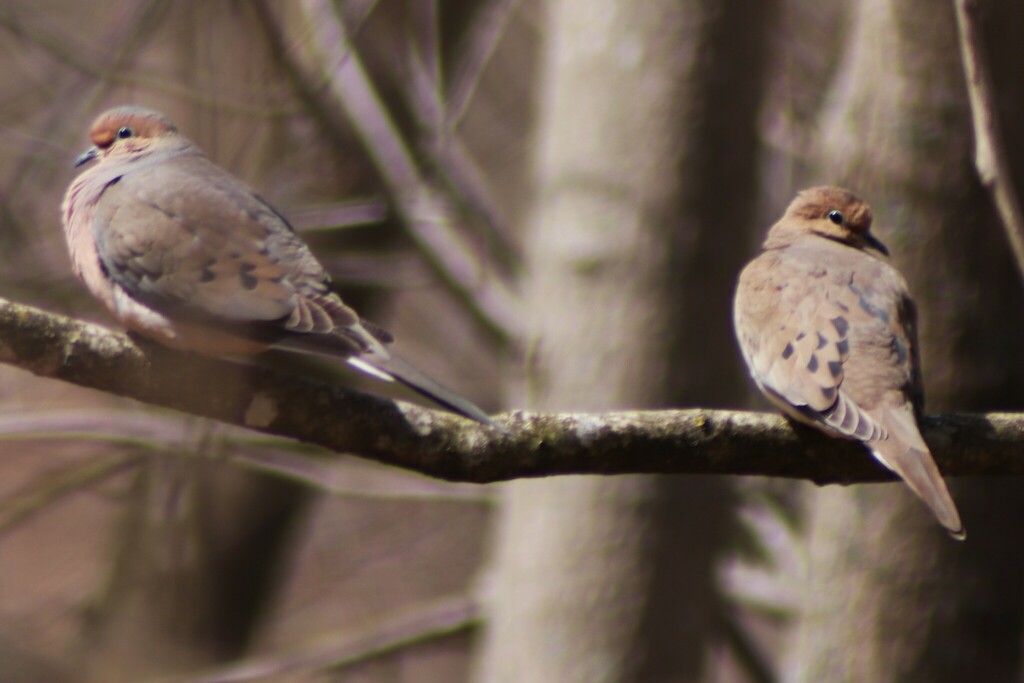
x=818 y=338
x=190 y=240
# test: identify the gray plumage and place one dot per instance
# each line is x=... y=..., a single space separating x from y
x=181 y=251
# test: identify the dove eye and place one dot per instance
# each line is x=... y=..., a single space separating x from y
x=125 y=132
x=836 y=217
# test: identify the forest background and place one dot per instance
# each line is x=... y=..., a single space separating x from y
x=548 y=203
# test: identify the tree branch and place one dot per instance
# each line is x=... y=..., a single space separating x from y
x=392 y=634
x=426 y=215
x=989 y=153
x=269 y=400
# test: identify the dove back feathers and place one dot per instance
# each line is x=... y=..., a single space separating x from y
x=181 y=251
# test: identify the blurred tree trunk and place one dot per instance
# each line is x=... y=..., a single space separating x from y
x=188 y=571
x=646 y=160
x=890 y=597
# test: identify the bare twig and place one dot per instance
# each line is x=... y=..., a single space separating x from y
x=423 y=60
x=989 y=157
x=438 y=444
x=339 y=215
x=442 y=144
x=136 y=434
x=425 y=213
x=474 y=54
x=459 y=171
x=459 y=267
x=365 y=480
x=43 y=491
x=427 y=622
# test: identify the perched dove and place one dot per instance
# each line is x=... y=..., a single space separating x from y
x=827 y=328
x=183 y=252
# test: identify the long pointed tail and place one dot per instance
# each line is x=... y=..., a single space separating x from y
x=401 y=371
x=377 y=361
x=918 y=469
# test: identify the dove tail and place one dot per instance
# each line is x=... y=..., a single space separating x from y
x=399 y=370
x=918 y=469
x=381 y=363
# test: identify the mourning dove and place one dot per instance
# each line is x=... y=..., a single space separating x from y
x=183 y=252
x=827 y=328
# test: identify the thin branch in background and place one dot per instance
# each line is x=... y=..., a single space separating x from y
x=147 y=433
x=423 y=60
x=338 y=215
x=122 y=429
x=474 y=53
x=308 y=89
x=353 y=480
x=469 y=183
x=425 y=214
x=131 y=28
x=361 y=9
x=42 y=492
x=400 y=269
x=989 y=155
x=128 y=32
x=442 y=144
x=15 y=139
x=455 y=165
x=419 y=625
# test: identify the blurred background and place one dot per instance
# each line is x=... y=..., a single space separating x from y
x=548 y=202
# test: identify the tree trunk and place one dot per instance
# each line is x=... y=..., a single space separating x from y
x=630 y=280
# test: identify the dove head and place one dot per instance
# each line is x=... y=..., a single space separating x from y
x=828 y=212
x=130 y=133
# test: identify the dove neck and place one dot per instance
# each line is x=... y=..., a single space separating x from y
x=105 y=173
x=780 y=237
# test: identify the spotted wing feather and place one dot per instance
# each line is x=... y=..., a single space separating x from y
x=200 y=243
x=798 y=324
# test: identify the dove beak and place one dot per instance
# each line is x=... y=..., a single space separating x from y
x=87 y=156
x=874 y=243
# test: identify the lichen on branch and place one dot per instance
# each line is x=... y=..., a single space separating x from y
x=287 y=404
